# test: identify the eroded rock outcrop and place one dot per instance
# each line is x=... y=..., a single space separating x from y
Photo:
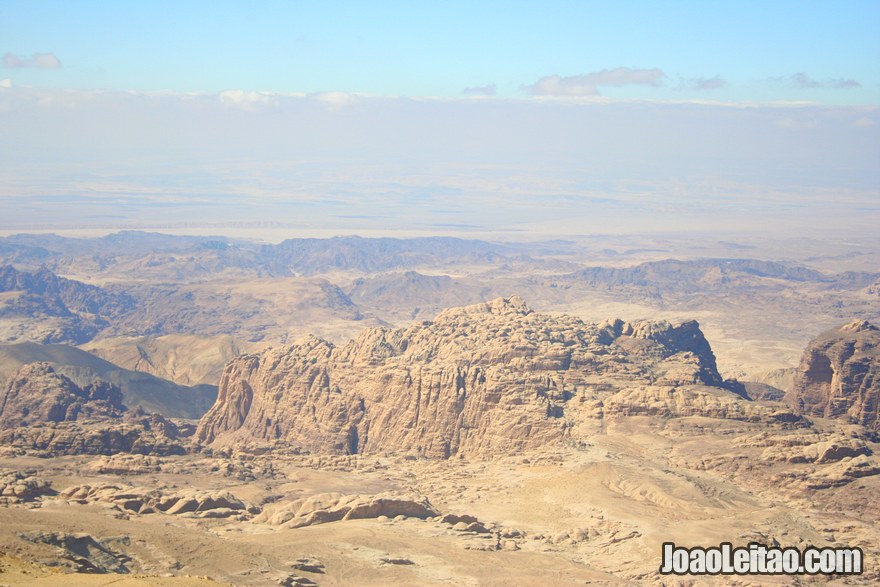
x=143 y=501
x=36 y=393
x=691 y=400
x=22 y=486
x=45 y=413
x=839 y=375
x=332 y=507
x=485 y=379
x=82 y=552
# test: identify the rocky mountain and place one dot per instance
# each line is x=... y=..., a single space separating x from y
x=485 y=379
x=250 y=311
x=23 y=254
x=64 y=294
x=270 y=294
x=45 y=412
x=138 y=389
x=839 y=375
x=698 y=275
x=410 y=295
x=311 y=255
x=36 y=394
x=138 y=253
x=40 y=306
x=106 y=251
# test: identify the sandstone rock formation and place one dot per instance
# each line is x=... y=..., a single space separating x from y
x=94 y=437
x=138 y=389
x=20 y=486
x=489 y=378
x=36 y=394
x=332 y=507
x=839 y=375
x=142 y=500
x=44 y=412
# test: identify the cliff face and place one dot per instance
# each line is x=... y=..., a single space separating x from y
x=489 y=378
x=839 y=375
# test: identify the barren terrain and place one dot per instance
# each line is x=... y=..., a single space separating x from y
x=556 y=436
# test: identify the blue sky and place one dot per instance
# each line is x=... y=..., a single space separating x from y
x=500 y=117
x=822 y=52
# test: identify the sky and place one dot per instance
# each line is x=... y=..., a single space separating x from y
x=825 y=52
x=432 y=115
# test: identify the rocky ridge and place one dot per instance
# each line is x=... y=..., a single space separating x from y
x=37 y=394
x=43 y=307
x=839 y=375
x=143 y=501
x=22 y=486
x=138 y=389
x=479 y=380
x=81 y=552
x=44 y=412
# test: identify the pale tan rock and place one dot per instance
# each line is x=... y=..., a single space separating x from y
x=492 y=378
x=143 y=500
x=332 y=507
x=839 y=375
x=22 y=486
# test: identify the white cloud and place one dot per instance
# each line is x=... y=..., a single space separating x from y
x=37 y=61
x=336 y=100
x=803 y=81
x=589 y=84
x=487 y=90
x=245 y=100
x=6 y=83
x=554 y=85
x=625 y=76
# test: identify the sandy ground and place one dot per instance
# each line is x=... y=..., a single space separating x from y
x=593 y=514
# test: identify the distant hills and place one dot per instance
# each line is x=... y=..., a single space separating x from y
x=696 y=273
x=41 y=306
x=370 y=255
x=130 y=251
x=138 y=389
x=145 y=285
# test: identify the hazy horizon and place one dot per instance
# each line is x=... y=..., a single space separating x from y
x=580 y=120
